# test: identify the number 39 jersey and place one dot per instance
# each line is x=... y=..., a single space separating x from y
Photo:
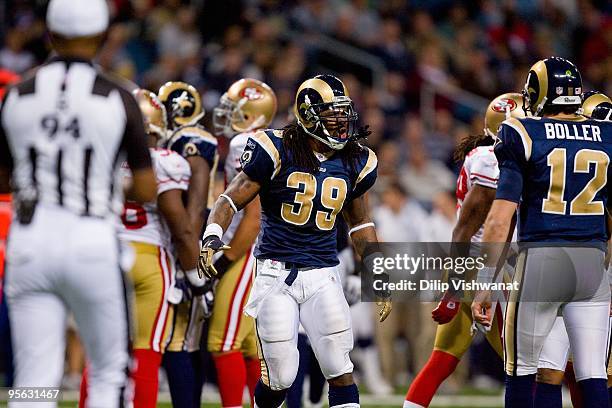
x=559 y=172
x=299 y=209
x=144 y=223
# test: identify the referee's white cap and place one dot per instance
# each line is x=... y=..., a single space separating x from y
x=81 y=18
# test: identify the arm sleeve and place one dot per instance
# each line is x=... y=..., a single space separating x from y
x=195 y=141
x=206 y=150
x=367 y=173
x=510 y=155
x=256 y=162
x=134 y=137
x=484 y=170
x=6 y=158
x=173 y=172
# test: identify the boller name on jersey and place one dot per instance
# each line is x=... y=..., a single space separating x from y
x=590 y=133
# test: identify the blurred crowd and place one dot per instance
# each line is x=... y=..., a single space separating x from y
x=483 y=47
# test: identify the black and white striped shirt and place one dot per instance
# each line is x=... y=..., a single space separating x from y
x=64 y=132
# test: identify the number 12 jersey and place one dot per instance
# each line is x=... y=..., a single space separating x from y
x=559 y=172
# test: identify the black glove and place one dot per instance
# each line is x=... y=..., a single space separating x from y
x=210 y=245
x=221 y=265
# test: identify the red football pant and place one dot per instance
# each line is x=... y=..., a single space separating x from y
x=145 y=378
x=437 y=369
x=234 y=372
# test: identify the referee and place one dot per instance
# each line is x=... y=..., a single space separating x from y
x=65 y=130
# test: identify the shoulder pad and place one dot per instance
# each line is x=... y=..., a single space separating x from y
x=172 y=165
x=195 y=132
x=271 y=142
x=519 y=128
x=367 y=163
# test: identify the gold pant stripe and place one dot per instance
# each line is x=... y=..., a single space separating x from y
x=236 y=304
x=265 y=372
x=229 y=328
x=511 y=322
x=455 y=337
x=151 y=277
x=162 y=314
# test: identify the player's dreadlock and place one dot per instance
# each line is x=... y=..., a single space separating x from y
x=469 y=143
x=296 y=142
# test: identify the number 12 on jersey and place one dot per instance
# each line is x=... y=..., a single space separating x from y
x=582 y=203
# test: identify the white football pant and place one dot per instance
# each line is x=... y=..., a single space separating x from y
x=316 y=300
x=61 y=261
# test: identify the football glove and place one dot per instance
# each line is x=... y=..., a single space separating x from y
x=385 y=309
x=206 y=297
x=447 y=309
x=210 y=245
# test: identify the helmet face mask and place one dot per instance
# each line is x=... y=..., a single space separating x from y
x=222 y=117
x=248 y=105
x=335 y=123
x=325 y=111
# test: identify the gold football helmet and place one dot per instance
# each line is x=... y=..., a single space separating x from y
x=506 y=106
x=183 y=103
x=248 y=105
x=596 y=105
x=325 y=111
x=153 y=113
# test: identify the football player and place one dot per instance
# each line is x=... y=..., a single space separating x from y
x=192 y=296
x=554 y=364
x=247 y=106
x=152 y=229
x=476 y=187
x=556 y=167
x=306 y=175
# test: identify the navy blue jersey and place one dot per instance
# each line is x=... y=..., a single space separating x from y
x=558 y=172
x=300 y=209
x=189 y=141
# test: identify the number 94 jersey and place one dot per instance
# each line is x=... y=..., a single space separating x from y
x=299 y=209
x=559 y=171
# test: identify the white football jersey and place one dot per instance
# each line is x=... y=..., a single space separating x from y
x=232 y=168
x=479 y=167
x=144 y=223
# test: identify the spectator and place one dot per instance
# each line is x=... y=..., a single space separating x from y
x=13 y=56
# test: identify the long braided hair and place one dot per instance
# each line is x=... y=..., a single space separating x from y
x=296 y=143
x=469 y=143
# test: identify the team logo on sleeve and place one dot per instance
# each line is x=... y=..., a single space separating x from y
x=190 y=150
x=246 y=157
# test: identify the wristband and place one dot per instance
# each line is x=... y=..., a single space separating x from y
x=213 y=229
x=221 y=265
x=360 y=227
x=230 y=201
x=486 y=274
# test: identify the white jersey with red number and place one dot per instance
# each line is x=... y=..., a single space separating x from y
x=479 y=167
x=144 y=223
x=232 y=168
